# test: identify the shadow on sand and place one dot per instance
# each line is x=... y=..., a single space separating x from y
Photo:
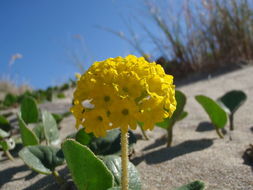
x=165 y=154
x=48 y=182
x=7 y=174
x=158 y=142
x=205 y=126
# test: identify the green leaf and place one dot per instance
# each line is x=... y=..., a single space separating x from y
x=50 y=128
x=115 y=188
x=83 y=137
x=29 y=110
x=58 y=117
x=39 y=131
x=9 y=100
x=110 y=144
x=165 y=123
x=232 y=100
x=3 y=134
x=4 y=124
x=113 y=163
x=195 y=185
x=4 y=145
x=217 y=115
x=42 y=159
x=61 y=95
x=88 y=172
x=27 y=135
x=178 y=114
x=183 y=115
x=49 y=94
x=181 y=101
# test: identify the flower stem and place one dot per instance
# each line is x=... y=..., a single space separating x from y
x=124 y=159
x=8 y=154
x=170 y=136
x=219 y=132
x=58 y=178
x=231 y=122
x=144 y=133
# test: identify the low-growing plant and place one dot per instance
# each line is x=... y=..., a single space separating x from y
x=107 y=102
x=40 y=96
x=61 y=95
x=27 y=135
x=10 y=100
x=6 y=141
x=91 y=172
x=195 y=185
x=59 y=116
x=4 y=124
x=40 y=158
x=29 y=110
x=106 y=108
x=215 y=112
x=63 y=87
x=178 y=115
x=43 y=159
x=231 y=101
x=46 y=130
x=147 y=97
x=110 y=144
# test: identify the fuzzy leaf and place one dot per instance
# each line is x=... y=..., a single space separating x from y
x=88 y=172
x=113 y=163
x=39 y=131
x=110 y=144
x=29 y=110
x=42 y=159
x=50 y=128
x=27 y=135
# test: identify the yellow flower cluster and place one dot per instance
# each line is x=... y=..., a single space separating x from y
x=120 y=92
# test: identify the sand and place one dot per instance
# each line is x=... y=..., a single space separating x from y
x=196 y=153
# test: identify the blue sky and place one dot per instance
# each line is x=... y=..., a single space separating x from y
x=43 y=32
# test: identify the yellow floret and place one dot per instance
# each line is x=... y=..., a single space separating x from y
x=121 y=92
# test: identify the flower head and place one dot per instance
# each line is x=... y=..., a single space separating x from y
x=119 y=92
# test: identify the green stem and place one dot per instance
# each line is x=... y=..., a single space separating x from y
x=58 y=178
x=218 y=132
x=170 y=136
x=124 y=159
x=8 y=154
x=144 y=133
x=231 y=122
